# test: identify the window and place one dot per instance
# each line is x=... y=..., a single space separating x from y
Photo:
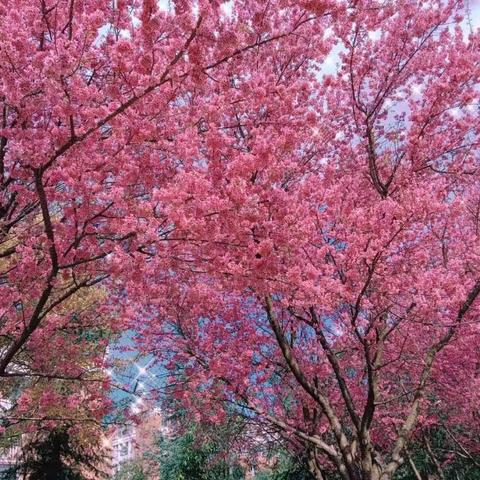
x=123 y=449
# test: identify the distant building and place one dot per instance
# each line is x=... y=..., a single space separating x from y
x=129 y=442
x=8 y=457
x=122 y=442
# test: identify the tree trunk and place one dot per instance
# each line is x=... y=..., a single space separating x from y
x=313 y=466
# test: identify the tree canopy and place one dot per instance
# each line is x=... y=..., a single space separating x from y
x=281 y=198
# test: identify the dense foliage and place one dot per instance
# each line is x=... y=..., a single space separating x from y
x=286 y=468
x=130 y=471
x=58 y=455
x=187 y=457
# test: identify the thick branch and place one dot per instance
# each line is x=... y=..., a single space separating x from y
x=47 y=222
x=309 y=388
x=332 y=359
x=411 y=420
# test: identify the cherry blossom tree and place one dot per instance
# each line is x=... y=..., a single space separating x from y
x=297 y=239
x=59 y=377
x=319 y=264
x=98 y=100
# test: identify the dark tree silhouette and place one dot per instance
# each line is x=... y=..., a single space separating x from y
x=57 y=455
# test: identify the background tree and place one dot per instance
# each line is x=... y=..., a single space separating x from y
x=195 y=456
x=439 y=454
x=286 y=468
x=131 y=471
x=59 y=453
